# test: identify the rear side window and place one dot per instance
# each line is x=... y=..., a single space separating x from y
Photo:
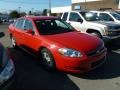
x=19 y=23
x=105 y=17
x=65 y=16
x=28 y=25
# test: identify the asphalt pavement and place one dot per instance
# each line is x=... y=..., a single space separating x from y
x=31 y=76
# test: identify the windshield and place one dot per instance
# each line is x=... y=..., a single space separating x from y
x=89 y=16
x=116 y=16
x=53 y=26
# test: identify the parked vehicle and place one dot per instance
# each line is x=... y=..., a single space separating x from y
x=108 y=16
x=117 y=11
x=89 y=22
x=6 y=69
x=0 y=20
x=12 y=20
x=57 y=44
x=5 y=20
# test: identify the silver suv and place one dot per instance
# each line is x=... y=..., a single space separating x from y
x=108 y=16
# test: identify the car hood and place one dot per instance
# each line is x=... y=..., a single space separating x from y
x=76 y=40
x=109 y=24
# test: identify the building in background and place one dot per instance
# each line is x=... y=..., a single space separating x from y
x=95 y=4
x=59 y=10
x=88 y=5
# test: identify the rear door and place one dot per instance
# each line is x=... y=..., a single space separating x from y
x=18 y=31
x=32 y=40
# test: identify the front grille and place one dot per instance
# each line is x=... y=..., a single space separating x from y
x=113 y=33
x=94 y=52
x=94 y=64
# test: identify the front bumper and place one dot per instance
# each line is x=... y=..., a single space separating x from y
x=111 y=37
x=81 y=65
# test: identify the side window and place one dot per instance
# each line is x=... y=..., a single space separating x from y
x=65 y=15
x=105 y=17
x=19 y=23
x=60 y=24
x=74 y=17
x=28 y=25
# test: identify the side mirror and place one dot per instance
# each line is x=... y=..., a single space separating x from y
x=111 y=19
x=30 y=32
x=2 y=34
x=80 y=20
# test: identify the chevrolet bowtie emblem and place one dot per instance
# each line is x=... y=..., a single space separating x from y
x=98 y=51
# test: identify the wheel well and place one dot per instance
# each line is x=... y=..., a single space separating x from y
x=41 y=48
x=92 y=30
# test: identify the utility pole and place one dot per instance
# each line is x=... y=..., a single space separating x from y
x=49 y=7
x=32 y=11
x=85 y=5
x=19 y=9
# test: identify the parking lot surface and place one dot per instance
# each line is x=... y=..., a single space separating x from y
x=31 y=76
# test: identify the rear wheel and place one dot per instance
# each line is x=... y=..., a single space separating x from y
x=47 y=59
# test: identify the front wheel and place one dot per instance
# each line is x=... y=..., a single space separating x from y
x=47 y=59
x=97 y=34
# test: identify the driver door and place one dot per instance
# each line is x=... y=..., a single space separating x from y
x=76 y=21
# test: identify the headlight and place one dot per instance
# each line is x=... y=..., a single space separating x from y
x=106 y=30
x=69 y=52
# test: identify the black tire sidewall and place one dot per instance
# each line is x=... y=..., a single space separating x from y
x=44 y=62
x=97 y=34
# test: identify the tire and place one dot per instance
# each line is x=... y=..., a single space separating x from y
x=47 y=59
x=97 y=34
x=13 y=41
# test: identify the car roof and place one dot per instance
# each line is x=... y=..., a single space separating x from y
x=102 y=11
x=40 y=17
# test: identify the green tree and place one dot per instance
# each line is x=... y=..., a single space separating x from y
x=22 y=14
x=30 y=13
x=14 y=14
x=44 y=13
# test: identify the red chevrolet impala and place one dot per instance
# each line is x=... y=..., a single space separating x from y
x=58 y=45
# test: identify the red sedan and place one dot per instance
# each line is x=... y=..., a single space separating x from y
x=58 y=45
